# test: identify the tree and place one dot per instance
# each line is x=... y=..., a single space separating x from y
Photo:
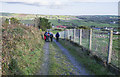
x=12 y=20
x=43 y=23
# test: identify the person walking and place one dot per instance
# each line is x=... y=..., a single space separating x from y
x=57 y=36
x=45 y=34
x=51 y=37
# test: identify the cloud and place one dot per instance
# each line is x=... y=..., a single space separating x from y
x=52 y=2
x=94 y=0
x=40 y=2
x=33 y=4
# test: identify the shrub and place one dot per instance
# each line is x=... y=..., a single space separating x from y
x=21 y=49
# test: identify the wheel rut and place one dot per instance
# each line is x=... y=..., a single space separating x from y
x=45 y=65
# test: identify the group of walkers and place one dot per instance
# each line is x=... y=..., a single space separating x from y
x=49 y=36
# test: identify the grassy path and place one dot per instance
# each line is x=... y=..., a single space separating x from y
x=58 y=61
x=59 y=64
x=78 y=68
x=44 y=69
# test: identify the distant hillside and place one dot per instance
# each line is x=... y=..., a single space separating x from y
x=32 y=16
x=67 y=20
x=5 y=14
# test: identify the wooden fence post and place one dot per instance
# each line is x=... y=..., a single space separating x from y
x=110 y=47
x=70 y=37
x=59 y=33
x=80 y=36
x=68 y=34
x=64 y=34
x=90 y=39
x=74 y=35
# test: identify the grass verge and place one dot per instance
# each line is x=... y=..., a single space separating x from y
x=84 y=59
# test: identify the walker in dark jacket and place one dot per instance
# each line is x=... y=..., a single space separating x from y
x=51 y=37
x=57 y=36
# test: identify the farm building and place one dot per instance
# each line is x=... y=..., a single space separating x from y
x=60 y=26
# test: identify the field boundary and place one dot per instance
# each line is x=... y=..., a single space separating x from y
x=109 y=66
x=102 y=43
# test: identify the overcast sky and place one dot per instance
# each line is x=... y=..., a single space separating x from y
x=61 y=7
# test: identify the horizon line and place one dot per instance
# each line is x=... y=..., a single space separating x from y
x=59 y=14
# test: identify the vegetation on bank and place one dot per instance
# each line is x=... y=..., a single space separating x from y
x=21 y=49
x=85 y=60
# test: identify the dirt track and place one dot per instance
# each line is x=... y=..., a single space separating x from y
x=74 y=65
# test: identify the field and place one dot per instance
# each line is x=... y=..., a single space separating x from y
x=81 y=23
x=96 y=21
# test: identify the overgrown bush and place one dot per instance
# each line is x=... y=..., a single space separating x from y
x=21 y=49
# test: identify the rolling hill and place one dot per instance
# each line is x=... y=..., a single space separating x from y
x=67 y=20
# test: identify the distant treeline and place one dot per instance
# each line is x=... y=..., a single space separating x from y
x=100 y=19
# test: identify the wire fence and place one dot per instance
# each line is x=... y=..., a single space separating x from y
x=99 y=42
x=85 y=38
x=116 y=51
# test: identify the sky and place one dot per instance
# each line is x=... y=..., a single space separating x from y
x=61 y=7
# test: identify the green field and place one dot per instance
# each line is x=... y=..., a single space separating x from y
x=27 y=21
x=81 y=23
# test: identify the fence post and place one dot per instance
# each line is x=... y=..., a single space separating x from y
x=64 y=33
x=60 y=34
x=110 y=47
x=74 y=35
x=68 y=34
x=70 y=37
x=80 y=36
x=90 y=39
